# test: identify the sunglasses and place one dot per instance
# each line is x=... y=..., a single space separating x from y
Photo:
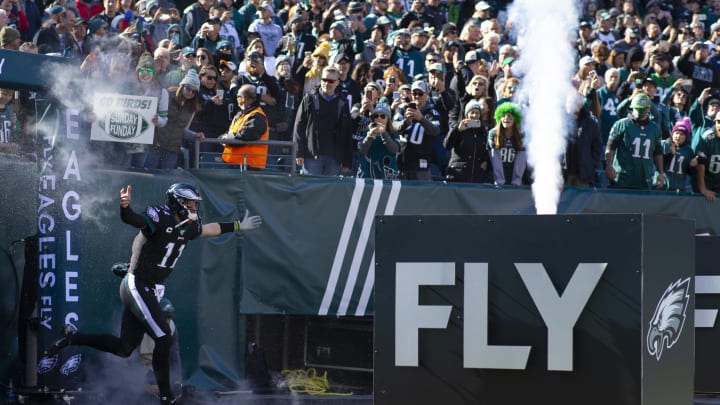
x=326 y=80
x=146 y=71
x=190 y=56
x=210 y=77
x=383 y=116
x=418 y=93
x=188 y=88
x=174 y=32
x=203 y=57
x=432 y=60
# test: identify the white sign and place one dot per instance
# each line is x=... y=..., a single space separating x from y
x=123 y=118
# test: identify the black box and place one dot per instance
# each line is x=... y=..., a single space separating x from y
x=339 y=344
x=519 y=309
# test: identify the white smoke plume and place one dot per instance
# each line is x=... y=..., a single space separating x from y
x=545 y=31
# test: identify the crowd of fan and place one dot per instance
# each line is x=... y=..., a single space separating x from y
x=428 y=84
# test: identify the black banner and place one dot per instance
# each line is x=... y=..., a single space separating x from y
x=707 y=303
x=527 y=309
x=59 y=252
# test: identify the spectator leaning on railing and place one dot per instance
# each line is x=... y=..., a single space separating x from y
x=249 y=124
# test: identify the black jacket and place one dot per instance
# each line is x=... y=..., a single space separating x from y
x=584 y=148
x=468 y=152
x=306 y=130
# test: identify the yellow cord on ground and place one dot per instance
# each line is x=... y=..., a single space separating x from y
x=308 y=382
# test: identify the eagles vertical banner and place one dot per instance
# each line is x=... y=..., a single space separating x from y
x=58 y=227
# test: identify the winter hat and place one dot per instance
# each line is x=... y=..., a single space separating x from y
x=7 y=35
x=472 y=105
x=267 y=7
x=95 y=24
x=382 y=108
x=373 y=85
x=171 y=26
x=280 y=59
x=683 y=125
x=509 y=107
x=191 y=79
x=149 y=6
x=354 y=7
x=145 y=61
x=322 y=50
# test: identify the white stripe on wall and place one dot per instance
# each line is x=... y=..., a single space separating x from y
x=360 y=247
x=370 y=280
x=342 y=247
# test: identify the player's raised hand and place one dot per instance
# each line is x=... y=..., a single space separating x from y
x=249 y=222
x=125 y=196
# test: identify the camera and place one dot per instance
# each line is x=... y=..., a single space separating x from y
x=391 y=80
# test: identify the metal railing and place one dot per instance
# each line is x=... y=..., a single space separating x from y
x=280 y=157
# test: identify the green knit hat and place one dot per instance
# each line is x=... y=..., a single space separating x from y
x=509 y=107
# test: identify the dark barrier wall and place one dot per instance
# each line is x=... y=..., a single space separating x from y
x=707 y=303
x=312 y=256
x=529 y=302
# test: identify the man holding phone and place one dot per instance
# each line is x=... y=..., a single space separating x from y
x=417 y=125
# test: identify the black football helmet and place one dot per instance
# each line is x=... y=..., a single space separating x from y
x=177 y=195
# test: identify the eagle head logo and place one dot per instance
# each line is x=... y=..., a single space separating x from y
x=71 y=365
x=667 y=322
x=47 y=363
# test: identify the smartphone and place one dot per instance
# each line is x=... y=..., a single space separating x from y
x=391 y=80
x=368 y=94
x=474 y=124
x=412 y=105
x=220 y=93
x=307 y=53
x=396 y=95
x=384 y=61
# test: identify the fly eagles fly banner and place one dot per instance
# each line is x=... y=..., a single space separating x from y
x=124 y=118
x=58 y=227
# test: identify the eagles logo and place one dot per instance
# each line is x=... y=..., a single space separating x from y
x=153 y=214
x=71 y=365
x=667 y=322
x=46 y=364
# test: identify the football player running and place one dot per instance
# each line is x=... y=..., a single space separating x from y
x=164 y=232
